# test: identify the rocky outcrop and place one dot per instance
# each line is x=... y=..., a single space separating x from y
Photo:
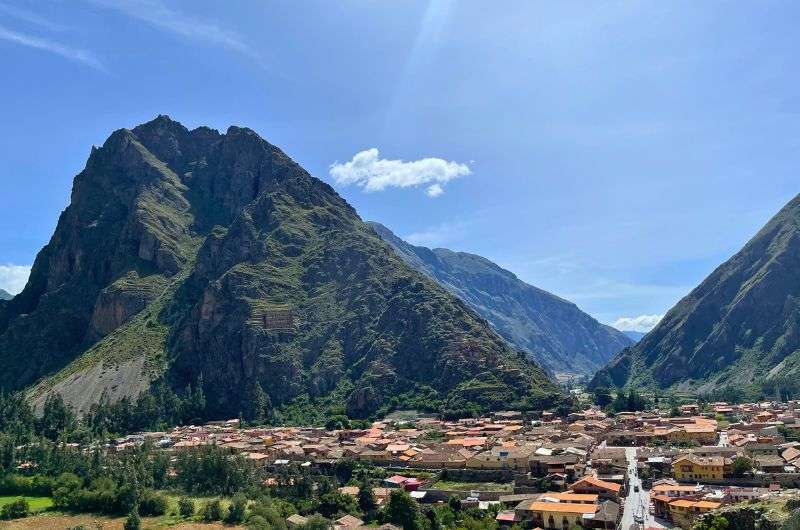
x=198 y=255
x=555 y=332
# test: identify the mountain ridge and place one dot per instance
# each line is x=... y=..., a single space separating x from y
x=196 y=256
x=5 y=295
x=559 y=336
x=740 y=328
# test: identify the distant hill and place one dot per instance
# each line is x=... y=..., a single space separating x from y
x=635 y=336
x=5 y=295
x=738 y=330
x=555 y=332
x=196 y=256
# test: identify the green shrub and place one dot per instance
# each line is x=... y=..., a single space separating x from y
x=133 y=522
x=212 y=511
x=237 y=510
x=186 y=507
x=15 y=510
x=152 y=503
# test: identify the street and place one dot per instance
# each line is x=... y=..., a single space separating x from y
x=636 y=501
x=723 y=439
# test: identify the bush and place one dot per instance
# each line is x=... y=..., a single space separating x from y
x=133 y=522
x=37 y=485
x=15 y=510
x=237 y=510
x=152 y=503
x=186 y=507
x=212 y=511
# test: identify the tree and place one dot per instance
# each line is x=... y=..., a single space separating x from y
x=133 y=522
x=602 y=397
x=455 y=503
x=712 y=522
x=402 y=510
x=237 y=510
x=15 y=510
x=56 y=419
x=212 y=511
x=333 y=503
x=186 y=507
x=366 y=498
x=256 y=405
x=315 y=522
x=741 y=465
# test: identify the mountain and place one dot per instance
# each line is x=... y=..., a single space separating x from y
x=190 y=255
x=740 y=328
x=558 y=335
x=635 y=336
x=5 y=295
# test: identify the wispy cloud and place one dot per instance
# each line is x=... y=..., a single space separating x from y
x=439 y=235
x=373 y=173
x=30 y=17
x=158 y=14
x=643 y=323
x=14 y=277
x=68 y=52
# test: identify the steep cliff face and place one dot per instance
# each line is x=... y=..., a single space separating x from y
x=196 y=254
x=739 y=327
x=556 y=333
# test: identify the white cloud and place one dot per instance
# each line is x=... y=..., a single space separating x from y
x=642 y=323
x=372 y=173
x=14 y=277
x=434 y=190
x=156 y=13
x=68 y=52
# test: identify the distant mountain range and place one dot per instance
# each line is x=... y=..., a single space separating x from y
x=5 y=295
x=196 y=256
x=635 y=336
x=558 y=335
x=739 y=330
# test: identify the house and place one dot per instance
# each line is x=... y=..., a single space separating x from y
x=689 y=468
x=593 y=485
x=684 y=512
x=769 y=464
x=296 y=520
x=516 y=458
x=555 y=515
x=347 y=522
x=406 y=483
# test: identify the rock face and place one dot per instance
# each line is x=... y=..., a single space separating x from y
x=557 y=334
x=739 y=327
x=196 y=254
x=5 y=295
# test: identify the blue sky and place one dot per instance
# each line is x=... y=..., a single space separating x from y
x=613 y=153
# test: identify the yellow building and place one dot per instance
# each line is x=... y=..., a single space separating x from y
x=555 y=515
x=685 y=512
x=689 y=468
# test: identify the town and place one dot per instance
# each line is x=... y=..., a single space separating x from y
x=587 y=470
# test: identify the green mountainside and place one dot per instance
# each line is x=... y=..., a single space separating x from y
x=739 y=329
x=557 y=334
x=5 y=295
x=198 y=256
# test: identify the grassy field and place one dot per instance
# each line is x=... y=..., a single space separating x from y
x=37 y=504
x=468 y=486
x=58 y=521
